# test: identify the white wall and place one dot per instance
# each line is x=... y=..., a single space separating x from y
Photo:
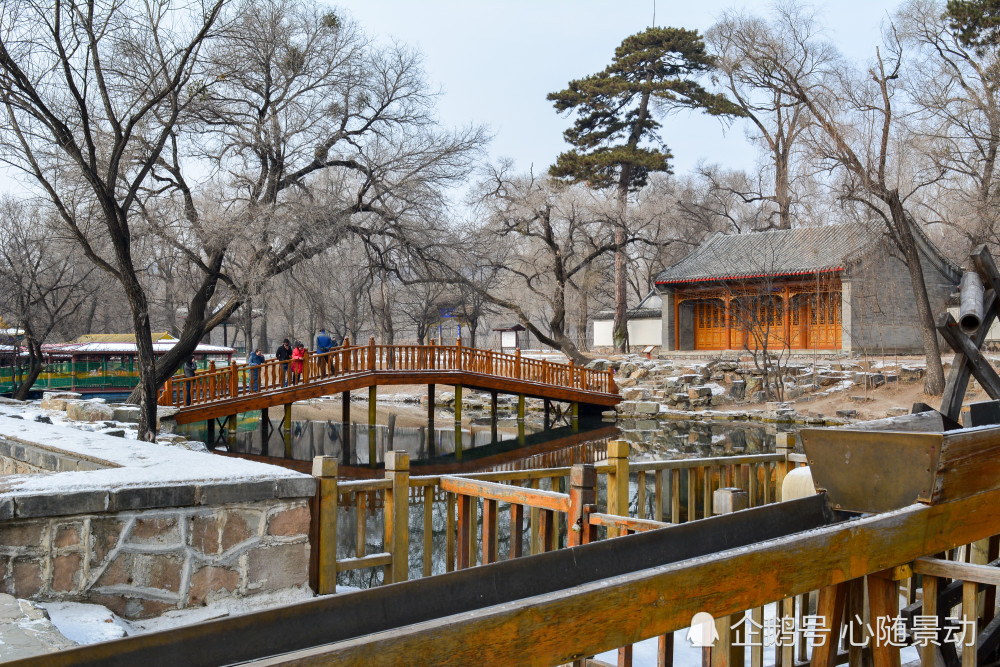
x=640 y=333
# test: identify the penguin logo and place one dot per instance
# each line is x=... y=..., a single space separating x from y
x=702 y=632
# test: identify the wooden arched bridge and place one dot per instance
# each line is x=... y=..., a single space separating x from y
x=237 y=389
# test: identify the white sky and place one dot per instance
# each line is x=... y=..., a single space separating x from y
x=496 y=61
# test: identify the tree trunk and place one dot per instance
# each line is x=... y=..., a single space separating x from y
x=934 y=384
x=620 y=326
x=34 y=368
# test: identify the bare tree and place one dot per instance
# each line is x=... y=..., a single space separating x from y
x=856 y=132
x=953 y=87
x=315 y=134
x=746 y=48
x=91 y=94
x=43 y=279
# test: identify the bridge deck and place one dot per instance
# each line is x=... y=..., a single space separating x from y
x=243 y=388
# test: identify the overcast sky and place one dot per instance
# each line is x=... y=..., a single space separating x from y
x=496 y=61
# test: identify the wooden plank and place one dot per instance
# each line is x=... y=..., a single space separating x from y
x=658 y=495
x=981 y=574
x=507 y=493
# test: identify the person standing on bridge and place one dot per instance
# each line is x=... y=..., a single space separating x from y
x=255 y=359
x=283 y=354
x=323 y=345
x=190 y=368
x=298 y=358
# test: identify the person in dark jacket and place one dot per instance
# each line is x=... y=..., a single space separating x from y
x=190 y=368
x=284 y=355
x=255 y=359
x=323 y=345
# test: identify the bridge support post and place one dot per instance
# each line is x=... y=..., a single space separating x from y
x=397 y=521
x=345 y=425
x=287 y=430
x=493 y=416
x=265 y=430
x=323 y=531
x=430 y=409
x=520 y=418
x=232 y=421
x=458 y=422
x=210 y=424
x=575 y=416
x=372 y=449
x=548 y=409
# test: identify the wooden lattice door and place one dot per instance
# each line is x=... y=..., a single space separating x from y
x=825 y=321
x=709 y=324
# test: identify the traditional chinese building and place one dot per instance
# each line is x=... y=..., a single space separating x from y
x=836 y=287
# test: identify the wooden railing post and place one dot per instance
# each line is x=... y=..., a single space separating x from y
x=517 y=363
x=458 y=354
x=582 y=492
x=371 y=353
x=396 y=516
x=345 y=357
x=233 y=380
x=169 y=392
x=726 y=652
x=618 y=482
x=323 y=533
x=305 y=367
x=785 y=446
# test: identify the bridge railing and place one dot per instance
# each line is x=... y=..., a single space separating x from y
x=273 y=375
x=541 y=510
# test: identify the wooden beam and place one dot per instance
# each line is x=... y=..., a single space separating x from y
x=978 y=365
x=981 y=574
x=958 y=376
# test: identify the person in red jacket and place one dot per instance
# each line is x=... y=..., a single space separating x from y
x=298 y=356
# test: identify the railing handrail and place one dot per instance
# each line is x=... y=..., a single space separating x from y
x=546 y=500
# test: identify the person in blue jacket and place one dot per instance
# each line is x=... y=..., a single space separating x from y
x=323 y=345
x=255 y=359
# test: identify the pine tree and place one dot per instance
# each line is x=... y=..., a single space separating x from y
x=615 y=134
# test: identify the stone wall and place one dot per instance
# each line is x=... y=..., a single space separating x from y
x=142 y=563
x=143 y=528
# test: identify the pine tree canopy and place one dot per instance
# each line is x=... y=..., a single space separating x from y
x=976 y=23
x=615 y=134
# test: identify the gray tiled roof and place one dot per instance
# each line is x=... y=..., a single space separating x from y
x=777 y=252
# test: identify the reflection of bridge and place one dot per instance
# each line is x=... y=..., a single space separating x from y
x=228 y=392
